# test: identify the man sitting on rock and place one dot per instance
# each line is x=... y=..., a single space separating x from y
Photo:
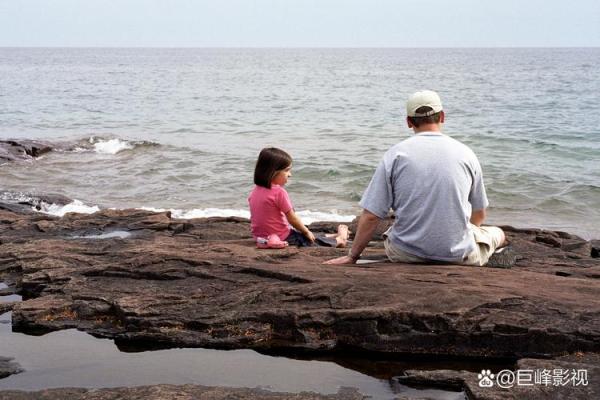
x=434 y=185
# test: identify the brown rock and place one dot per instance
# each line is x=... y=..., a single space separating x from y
x=549 y=238
x=6 y=307
x=546 y=389
x=595 y=244
x=164 y=392
x=8 y=367
x=11 y=150
x=203 y=283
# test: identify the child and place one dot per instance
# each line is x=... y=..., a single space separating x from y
x=271 y=211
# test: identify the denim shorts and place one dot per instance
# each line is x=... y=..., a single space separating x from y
x=295 y=238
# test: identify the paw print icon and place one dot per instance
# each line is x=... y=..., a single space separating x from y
x=485 y=378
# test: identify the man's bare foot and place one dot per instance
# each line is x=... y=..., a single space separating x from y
x=342 y=236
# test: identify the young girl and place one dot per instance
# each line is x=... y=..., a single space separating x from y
x=271 y=210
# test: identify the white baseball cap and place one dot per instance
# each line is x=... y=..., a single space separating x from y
x=423 y=98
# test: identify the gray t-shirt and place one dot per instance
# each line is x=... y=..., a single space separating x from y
x=432 y=182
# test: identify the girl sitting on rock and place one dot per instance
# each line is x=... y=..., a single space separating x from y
x=271 y=210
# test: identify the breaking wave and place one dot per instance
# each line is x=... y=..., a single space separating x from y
x=307 y=216
x=102 y=145
x=59 y=210
x=64 y=205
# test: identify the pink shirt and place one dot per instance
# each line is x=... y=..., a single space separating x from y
x=267 y=211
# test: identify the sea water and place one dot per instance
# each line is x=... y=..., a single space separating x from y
x=180 y=129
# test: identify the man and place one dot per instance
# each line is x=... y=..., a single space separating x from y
x=434 y=185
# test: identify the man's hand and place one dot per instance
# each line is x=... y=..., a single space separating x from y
x=477 y=217
x=366 y=226
x=341 y=260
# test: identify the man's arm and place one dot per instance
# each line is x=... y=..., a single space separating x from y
x=477 y=217
x=364 y=232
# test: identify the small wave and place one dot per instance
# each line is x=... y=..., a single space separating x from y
x=60 y=210
x=307 y=216
x=110 y=146
x=57 y=205
x=15 y=197
x=183 y=130
x=201 y=212
x=32 y=200
x=102 y=145
x=77 y=206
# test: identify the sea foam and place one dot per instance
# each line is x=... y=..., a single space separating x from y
x=111 y=146
x=60 y=210
x=77 y=206
x=307 y=216
x=202 y=212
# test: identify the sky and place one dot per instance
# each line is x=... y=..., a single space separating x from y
x=299 y=23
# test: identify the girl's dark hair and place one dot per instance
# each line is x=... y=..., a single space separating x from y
x=270 y=161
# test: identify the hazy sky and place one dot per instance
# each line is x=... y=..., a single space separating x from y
x=300 y=23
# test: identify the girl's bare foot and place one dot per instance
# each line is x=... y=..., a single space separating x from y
x=342 y=236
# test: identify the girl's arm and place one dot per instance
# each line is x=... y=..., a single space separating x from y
x=298 y=225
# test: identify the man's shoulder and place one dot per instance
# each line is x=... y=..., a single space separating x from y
x=393 y=152
x=413 y=142
x=400 y=146
x=460 y=146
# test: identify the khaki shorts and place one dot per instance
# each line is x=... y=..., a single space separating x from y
x=487 y=238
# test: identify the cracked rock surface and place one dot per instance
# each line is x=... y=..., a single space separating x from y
x=202 y=283
x=160 y=392
x=549 y=388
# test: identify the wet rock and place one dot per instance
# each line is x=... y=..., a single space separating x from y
x=206 y=285
x=8 y=367
x=6 y=307
x=160 y=392
x=577 y=246
x=12 y=150
x=551 y=239
x=595 y=248
x=26 y=203
x=538 y=379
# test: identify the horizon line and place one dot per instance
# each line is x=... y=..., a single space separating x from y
x=300 y=47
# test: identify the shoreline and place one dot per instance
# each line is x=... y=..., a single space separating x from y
x=58 y=205
x=203 y=283
x=112 y=149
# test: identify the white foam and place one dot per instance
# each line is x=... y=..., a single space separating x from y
x=12 y=197
x=111 y=146
x=59 y=210
x=202 y=212
x=307 y=216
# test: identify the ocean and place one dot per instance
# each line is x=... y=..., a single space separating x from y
x=180 y=129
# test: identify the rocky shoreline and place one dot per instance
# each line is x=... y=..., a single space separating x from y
x=13 y=150
x=161 y=392
x=202 y=283
x=8 y=367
